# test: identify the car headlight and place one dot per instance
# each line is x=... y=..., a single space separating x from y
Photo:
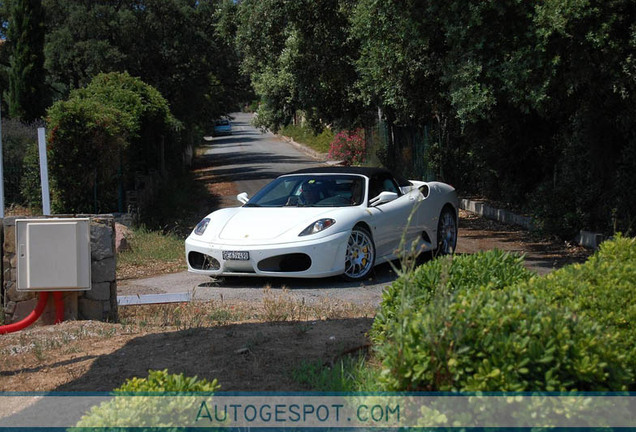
x=201 y=226
x=316 y=227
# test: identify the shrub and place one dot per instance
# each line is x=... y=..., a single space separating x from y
x=503 y=340
x=86 y=141
x=139 y=411
x=603 y=289
x=349 y=147
x=101 y=136
x=162 y=381
x=481 y=323
x=494 y=269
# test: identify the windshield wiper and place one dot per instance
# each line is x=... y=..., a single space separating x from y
x=251 y=205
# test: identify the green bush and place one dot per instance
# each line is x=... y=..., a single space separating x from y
x=481 y=323
x=132 y=409
x=86 y=141
x=411 y=291
x=101 y=136
x=503 y=340
x=162 y=381
x=603 y=289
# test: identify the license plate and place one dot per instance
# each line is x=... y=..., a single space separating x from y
x=236 y=256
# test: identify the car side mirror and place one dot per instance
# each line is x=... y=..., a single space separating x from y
x=242 y=197
x=383 y=198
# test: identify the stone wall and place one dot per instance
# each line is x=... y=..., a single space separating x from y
x=99 y=303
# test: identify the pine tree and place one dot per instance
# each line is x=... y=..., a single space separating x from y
x=25 y=35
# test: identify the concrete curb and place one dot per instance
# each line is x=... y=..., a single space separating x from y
x=587 y=239
x=493 y=213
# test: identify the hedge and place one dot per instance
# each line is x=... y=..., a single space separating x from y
x=480 y=323
x=603 y=289
x=495 y=269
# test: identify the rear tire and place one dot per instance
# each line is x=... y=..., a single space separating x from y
x=446 y=232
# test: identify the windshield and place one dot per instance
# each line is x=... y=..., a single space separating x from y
x=308 y=190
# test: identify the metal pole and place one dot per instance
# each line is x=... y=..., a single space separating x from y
x=1 y=167
x=44 y=173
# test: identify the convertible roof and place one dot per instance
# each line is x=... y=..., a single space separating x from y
x=365 y=171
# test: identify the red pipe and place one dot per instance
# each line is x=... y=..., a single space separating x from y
x=31 y=318
x=58 y=298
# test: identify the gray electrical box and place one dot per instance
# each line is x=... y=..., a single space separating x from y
x=53 y=254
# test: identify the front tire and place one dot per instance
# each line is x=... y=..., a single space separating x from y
x=360 y=256
x=446 y=232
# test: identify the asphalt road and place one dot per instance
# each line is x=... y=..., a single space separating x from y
x=249 y=159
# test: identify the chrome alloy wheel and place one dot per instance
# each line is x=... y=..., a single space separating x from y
x=360 y=254
x=446 y=233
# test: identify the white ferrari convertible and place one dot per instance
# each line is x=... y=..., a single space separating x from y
x=324 y=222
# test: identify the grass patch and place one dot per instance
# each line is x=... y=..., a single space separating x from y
x=347 y=374
x=305 y=135
x=151 y=252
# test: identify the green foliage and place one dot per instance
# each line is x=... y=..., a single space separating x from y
x=131 y=409
x=493 y=269
x=508 y=340
x=18 y=140
x=101 y=135
x=509 y=88
x=162 y=381
x=347 y=374
x=305 y=135
x=27 y=91
x=30 y=181
x=448 y=326
x=86 y=140
x=173 y=45
x=299 y=57
x=602 y=289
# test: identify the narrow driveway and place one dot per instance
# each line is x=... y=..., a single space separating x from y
x=249 y=158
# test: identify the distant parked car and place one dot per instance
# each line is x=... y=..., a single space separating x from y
x=323 y=222
x=222 y=127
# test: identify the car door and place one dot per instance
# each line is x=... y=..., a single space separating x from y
x=389 y=219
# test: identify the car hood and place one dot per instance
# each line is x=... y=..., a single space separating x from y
x=248 y=223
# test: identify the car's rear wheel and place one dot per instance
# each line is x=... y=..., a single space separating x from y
x=360 y=255
x=446 y=232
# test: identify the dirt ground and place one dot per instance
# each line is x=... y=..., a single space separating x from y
x=244 y=347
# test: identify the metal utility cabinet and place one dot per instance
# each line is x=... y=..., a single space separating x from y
x=53 y=254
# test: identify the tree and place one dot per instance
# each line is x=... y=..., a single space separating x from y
x=25 y=35
x=170 y=44
x=299 y=57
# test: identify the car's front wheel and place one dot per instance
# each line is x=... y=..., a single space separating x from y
x=360 y=255
x=446 y=232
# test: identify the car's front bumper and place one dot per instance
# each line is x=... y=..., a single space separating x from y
x=311 y=258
